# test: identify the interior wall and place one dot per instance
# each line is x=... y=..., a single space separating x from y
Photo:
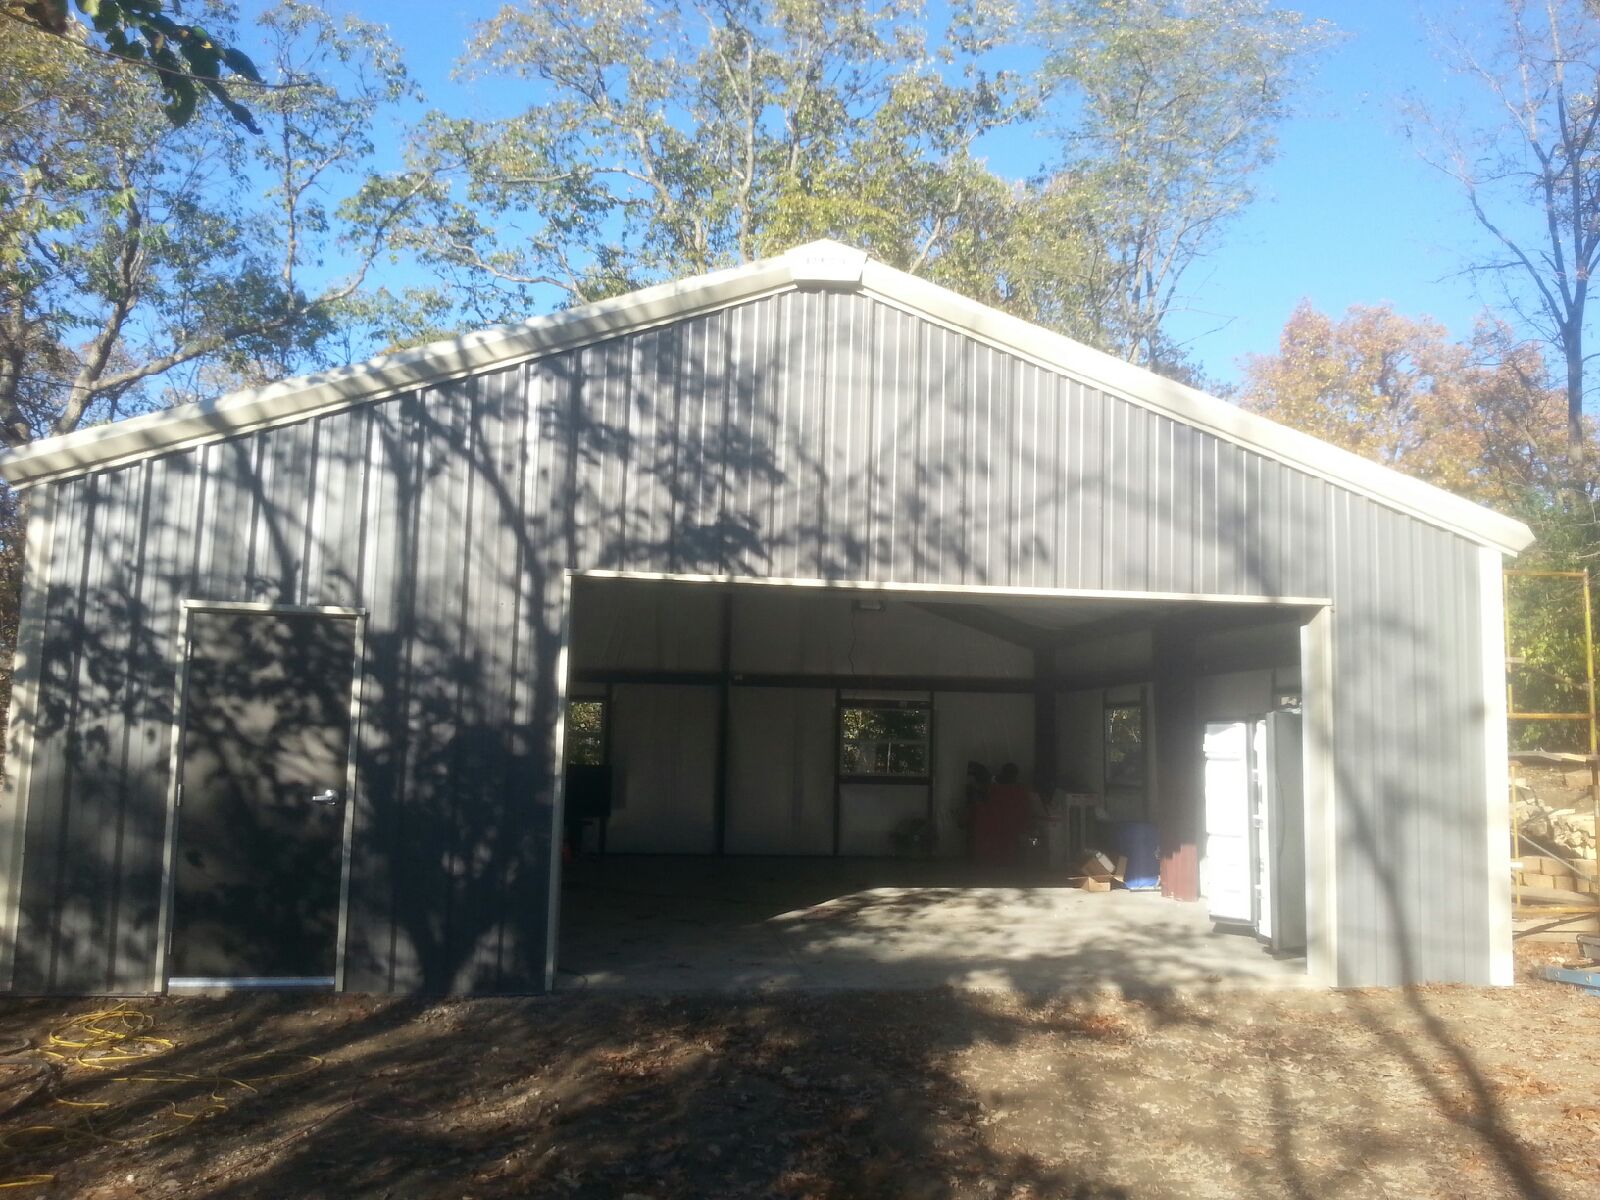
x=780 y=771
x=646 y=627
x=782 y=741
x=870 y=812
x=1080 y=741
x=1080 y=732
x=991 y=728
x=1235 y=695
x=663 y=754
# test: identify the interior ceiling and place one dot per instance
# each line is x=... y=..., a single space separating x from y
x=1063 y=614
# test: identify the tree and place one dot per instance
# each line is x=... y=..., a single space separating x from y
x=656 y=138
x=1483 y=418
x=185 y=59
x=137 y=256
x=1164 y=111
x=1532 y=180
x=1480 y=418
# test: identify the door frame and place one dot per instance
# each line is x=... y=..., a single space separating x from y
x=160 y=982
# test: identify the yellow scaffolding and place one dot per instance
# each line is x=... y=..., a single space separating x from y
x=1566 y=914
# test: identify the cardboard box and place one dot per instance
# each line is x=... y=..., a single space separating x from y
x=1096 y=872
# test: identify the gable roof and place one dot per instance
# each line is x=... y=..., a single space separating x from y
x=817 y=265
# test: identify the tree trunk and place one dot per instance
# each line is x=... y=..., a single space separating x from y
x=1575 y=440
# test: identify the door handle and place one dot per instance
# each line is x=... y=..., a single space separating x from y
x=327 y=797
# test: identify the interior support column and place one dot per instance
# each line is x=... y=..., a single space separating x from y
x=1045 y=750
x=724 y=704
x=1179 y=762
x=838 y=739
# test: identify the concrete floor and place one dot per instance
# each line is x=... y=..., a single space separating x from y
x=673 y=924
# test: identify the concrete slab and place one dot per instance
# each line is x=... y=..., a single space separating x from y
x=678 y=925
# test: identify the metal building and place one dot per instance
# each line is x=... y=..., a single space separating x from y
x=341 y=617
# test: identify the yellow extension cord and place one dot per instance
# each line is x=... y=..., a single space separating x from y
x=111 y=1039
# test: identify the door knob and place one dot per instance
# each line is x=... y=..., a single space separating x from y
x=325 y=797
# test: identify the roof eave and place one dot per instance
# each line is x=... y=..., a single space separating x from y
x=822 y=265
x=1430 y=504
x=304 y=396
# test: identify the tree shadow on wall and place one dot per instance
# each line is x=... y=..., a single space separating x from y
x=452 y=515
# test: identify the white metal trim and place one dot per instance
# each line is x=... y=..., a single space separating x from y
x=169 y=840
x=358 y=674
x=1056 y=352
x=937 y=589
x=268 y=606
x=1496 y=752
x=26 y=665
x=160 y=981
x=558 y=799
x=817 y=264
x=305 y=396
x=249 y=982
x=1321 y=800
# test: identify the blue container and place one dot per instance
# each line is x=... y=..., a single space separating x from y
x=1138 y=842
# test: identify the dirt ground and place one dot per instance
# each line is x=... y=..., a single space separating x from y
x=931 y=1095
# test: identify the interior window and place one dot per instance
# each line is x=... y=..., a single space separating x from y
x=586 y=733
x=1125 y=747
x=885 y=739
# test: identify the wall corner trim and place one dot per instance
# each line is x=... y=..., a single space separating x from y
x=1496 y=754
x=1321 y=801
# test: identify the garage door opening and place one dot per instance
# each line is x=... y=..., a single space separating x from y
x=811 y=786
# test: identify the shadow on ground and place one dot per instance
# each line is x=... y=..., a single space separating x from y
x=689 y=925
x=939 y=1094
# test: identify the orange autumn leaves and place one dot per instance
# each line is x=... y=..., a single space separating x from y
x=1481 y=418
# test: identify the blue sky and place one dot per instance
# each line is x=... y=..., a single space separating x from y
x=1349 y=213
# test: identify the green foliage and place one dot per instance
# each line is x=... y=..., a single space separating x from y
x=1547 y=660
x=186 y=60
x=143 y=262
x=1163 y=111
x=1124 y=746
x=658 y=139
x=650 y=139
x=12 y=529
x=1545 y=642
x=586 y=733
x=884 y=740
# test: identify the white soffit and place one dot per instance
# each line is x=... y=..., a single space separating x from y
x=817 y=265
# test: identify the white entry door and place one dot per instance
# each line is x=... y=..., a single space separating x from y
x=1226 y=879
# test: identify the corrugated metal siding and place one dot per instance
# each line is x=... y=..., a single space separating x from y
x=803 y=435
